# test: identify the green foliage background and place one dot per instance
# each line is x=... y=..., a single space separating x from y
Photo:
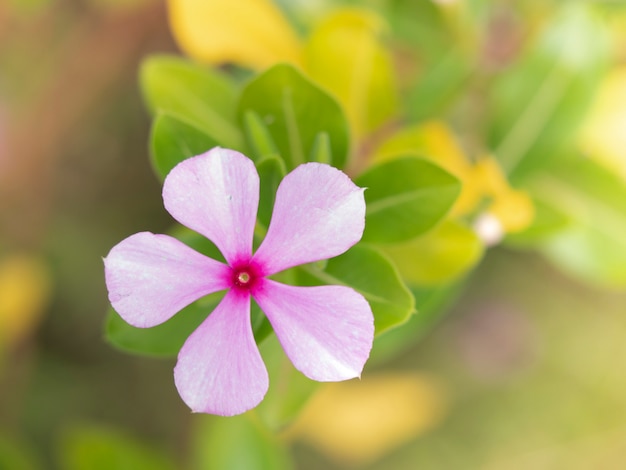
x=522 y=336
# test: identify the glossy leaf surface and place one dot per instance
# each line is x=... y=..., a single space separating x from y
x=295 y=111
x=198 y=95
x=174 y=140
x=405 y=197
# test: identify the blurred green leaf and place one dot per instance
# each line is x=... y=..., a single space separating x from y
x=593 y=245
x=539 y=103
x=547 y=222
x=369 y=272
x=295 y=111
x=236 y=443
x=439 y=256
x=432 y=304
x=92 y=448
x=289 y=389
x=197 y=95
x=405 y=197
x=430 y=37
x=16 y=456
x=345 y=55
x=173 y=141
x=438 y=85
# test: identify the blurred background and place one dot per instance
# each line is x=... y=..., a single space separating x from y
x=526 y=369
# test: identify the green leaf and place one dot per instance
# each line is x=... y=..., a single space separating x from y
x=14 y=455
x=322 y=152
x=271 y=172
x=173 y=141
x=539 y=103
x=261 y=326
x=593 y=245
x=548 y=221
x=261 y=143
x=438 y=86
x=289 y=389
x=437 y=257
x=295 y=111
x=165 y=339
x=405 y=197
x=196 y=241
x=236 y=443
x=197 y=95
x=89 y=447
x=429 y=40
x=369 y=272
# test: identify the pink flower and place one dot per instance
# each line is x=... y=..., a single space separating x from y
x=326 y=331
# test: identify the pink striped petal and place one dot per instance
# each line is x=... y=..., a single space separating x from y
x=219 y=369
x=216 y=194
x=319 y=213
x=151 y=277
x=326 y=331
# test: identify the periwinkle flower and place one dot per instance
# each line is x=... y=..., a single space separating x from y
x=326 y=331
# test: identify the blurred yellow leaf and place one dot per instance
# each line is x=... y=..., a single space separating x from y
x=604 y=133
x=360 y=421
x=344 y=54
x=24 y=291
x=430 y=139
x=512 y=208
x=439 y=256
x=251 y=33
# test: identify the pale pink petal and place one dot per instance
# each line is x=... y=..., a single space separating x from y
x=326 y=331
x=319 y=213
x=219 y=369
x=151 y=277
x=216 y=194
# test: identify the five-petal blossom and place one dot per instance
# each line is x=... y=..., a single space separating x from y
x=327 y=331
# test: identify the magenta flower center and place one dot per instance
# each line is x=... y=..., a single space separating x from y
x=244 y=276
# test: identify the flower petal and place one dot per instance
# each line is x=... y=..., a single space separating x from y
x=326 y=331
x=219 y=369
x=151 y=277
x=216 y=194
x=319 y=213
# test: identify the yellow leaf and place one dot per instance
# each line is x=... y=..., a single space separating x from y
x=489 y=176
x=24 y=292
x=603 y=135
x=358 y=421
x=345 y=55
x=430 y=139
x=251 y=33
x=513 y=209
